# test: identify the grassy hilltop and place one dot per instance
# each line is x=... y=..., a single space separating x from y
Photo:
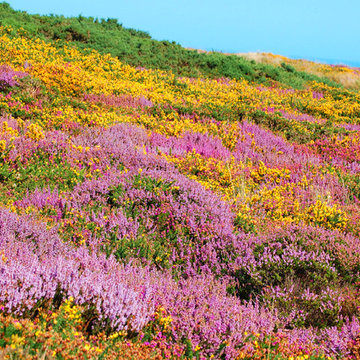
x=160 y=203
x=137 y=48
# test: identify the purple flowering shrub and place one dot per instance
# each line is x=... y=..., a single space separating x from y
x=38 y=268
x=8 y=77
x=304 y=272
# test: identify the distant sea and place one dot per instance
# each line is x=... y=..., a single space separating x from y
x=343 y=62
x=331 y=61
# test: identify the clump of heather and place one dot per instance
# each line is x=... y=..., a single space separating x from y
x=8 y=77
x=37 y=269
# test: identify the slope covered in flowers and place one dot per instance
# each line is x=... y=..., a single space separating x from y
x=145 y=215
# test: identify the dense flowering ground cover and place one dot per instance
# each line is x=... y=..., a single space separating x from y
x=149 y=216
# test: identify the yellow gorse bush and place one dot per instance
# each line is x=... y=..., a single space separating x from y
x=35 y=132
x=73 y=73
x=2 y=145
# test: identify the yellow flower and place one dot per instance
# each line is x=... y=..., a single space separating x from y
x=35 y=132
x=16 y=340
x=17 y=325
x=2 y=145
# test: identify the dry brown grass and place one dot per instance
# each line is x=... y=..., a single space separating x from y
x=347 y=76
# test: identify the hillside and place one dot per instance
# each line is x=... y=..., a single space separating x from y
x=137 y=48
x=146 y=214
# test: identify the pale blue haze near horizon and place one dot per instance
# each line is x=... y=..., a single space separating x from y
x=320 y=30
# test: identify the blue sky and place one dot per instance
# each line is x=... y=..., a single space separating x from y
x=324 y=30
